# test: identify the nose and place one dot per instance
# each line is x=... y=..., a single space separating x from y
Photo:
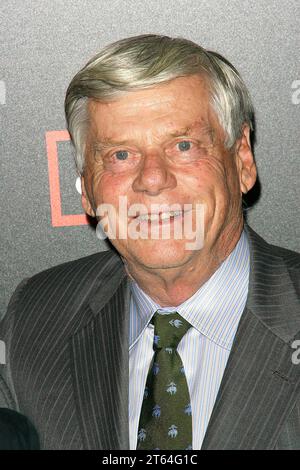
x=154 y=175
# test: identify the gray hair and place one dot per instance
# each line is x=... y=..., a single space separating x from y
x=145 y=61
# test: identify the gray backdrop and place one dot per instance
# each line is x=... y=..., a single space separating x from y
x=43 y=44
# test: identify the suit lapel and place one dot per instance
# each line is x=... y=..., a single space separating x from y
x=99 y=354
x=260 y=383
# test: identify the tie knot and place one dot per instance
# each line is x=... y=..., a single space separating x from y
x=169 y=328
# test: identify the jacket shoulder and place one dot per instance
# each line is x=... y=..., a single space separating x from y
x=61 y=292
x=291 y=258
x=274 y=254
x=89 y=266
x=274 y=286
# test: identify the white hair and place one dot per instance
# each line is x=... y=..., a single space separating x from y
x=145 y=61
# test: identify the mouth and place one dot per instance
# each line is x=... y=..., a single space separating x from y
x=160 y=218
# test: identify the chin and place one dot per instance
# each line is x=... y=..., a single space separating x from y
x=161 y=254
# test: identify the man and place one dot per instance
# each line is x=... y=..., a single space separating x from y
x=161 y=129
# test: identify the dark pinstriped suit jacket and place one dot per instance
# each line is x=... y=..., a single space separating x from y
x=66 y=333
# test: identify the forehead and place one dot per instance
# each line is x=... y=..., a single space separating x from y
x=182 y=103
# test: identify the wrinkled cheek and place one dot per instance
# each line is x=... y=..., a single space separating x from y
x=112 y=204
x=102 y=190
x=217 y=206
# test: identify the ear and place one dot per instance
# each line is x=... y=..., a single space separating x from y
x=85 y=200
x=245 y=161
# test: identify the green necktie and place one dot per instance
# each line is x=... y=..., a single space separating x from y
x=166 y=416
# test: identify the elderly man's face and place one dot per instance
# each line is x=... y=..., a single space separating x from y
x=165 y=146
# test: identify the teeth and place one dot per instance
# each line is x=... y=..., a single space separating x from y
x=162 y=216
x=167 y=215
x=149 y=217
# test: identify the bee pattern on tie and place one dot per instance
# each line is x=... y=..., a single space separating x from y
x=166 y=414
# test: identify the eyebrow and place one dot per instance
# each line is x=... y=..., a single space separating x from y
x=110 y=143
x=207 y=130
x=107 y=143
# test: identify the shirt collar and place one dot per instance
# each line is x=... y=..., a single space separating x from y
x=214 y=310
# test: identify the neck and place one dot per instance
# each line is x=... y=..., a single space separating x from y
x=170 y=287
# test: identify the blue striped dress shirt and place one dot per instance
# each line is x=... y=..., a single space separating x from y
x=214 y=312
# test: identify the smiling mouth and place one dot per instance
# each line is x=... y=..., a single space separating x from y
x=161 y=217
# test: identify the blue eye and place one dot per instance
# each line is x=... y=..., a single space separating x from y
x=184 y=145
x=122 y=154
